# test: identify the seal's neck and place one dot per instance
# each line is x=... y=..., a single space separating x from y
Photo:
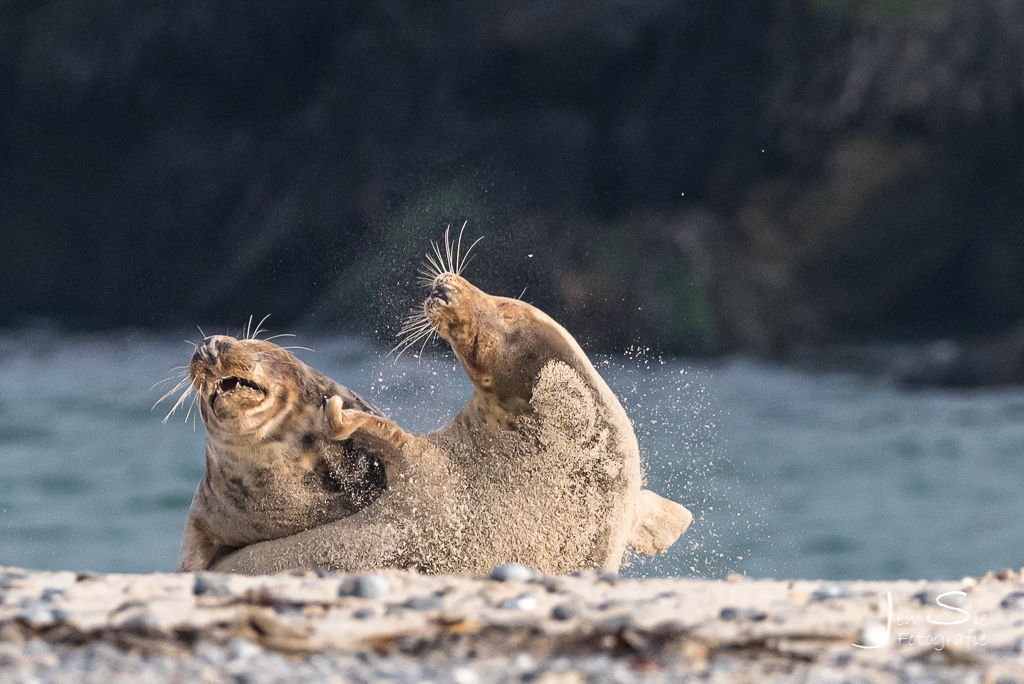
x=485 y=409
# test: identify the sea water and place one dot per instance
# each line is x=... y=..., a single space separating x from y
x=787 y=473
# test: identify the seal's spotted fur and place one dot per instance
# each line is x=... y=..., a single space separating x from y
x=541 y=467
x=273 y=467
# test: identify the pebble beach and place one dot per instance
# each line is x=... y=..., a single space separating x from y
x=516 y=626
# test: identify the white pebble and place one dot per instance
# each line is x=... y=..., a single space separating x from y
x=240 y=649
x=874 y=634
x=463 y=675
x=521 y=602
x=511 y=572
x=370 y=586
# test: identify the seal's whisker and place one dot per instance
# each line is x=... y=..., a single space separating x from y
x=415 y=328
x=434 y=263
x=181 y=400
x=407 y=344
x=177 y=377
x=189 y=412
x=427 y=275
x=462 y=259
x=202 y=333
x=414 y=323
x=288 y=363
x=160 y=382
x=413 y=334
x=440 y=257
x=430 y=336
x=259 y=327
x=448 y=247
x=434 y=269
x=274 y=337
x=466 y=257
x=298 y=347
x=184 y=382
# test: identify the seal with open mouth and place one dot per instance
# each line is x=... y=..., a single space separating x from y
x=272 y=465
x=541 y=467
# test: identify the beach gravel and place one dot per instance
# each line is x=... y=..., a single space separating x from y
x=403 y=627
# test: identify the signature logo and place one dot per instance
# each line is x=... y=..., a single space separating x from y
x=972 y=638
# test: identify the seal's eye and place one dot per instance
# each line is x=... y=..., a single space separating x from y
x=323 y=404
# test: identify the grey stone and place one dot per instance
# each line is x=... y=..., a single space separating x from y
x=511 y=572
x=208 y=653
x=520 y=602
x=368 y=586
x=50 y=593
x=429 y=602
x=211 y=585
x=240 y=649
x=37 y=614
x=833 y=591
x=563 y=612
x=1012 y=601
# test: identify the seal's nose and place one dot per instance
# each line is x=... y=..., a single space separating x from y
x=210 y=350
x=442 y=292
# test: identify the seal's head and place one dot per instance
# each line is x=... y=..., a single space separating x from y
x=247 y=387
x=502 y=343
x=274 y=464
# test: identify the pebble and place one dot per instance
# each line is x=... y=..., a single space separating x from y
x=520 y=602
x=211 y=585
x=208 y=653
x=368 y=586
x=240 y=649
x=1012 y=601
x=511 y=572
x=729 y=613
x=37 y=615
x=51 y=593
x=563 y=612
x=429 y=602
x=833 y=591
x=10 y=580
x=464 y=675
x=874 y=635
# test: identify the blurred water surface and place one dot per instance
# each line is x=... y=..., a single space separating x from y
x=788 y=474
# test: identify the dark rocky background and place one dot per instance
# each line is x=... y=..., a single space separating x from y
x=692 y=176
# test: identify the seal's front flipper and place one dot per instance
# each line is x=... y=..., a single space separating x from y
x=659 y=522
x=200 y=548
x=343 y=422
x=417 y=470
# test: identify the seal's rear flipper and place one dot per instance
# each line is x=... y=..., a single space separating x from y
x=659 y=522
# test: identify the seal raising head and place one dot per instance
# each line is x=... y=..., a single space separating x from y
x=541 y=467
x=531 y=376
x=273 y=465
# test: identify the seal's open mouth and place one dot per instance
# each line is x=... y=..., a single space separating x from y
x=234 y=383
